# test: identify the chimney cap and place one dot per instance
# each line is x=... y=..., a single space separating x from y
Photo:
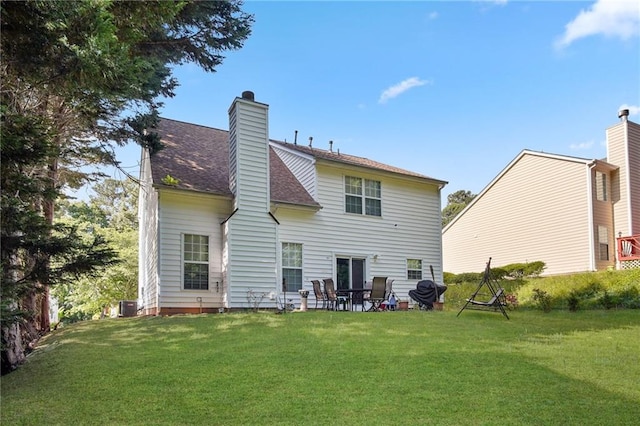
x=248 y=95
x=623 y=113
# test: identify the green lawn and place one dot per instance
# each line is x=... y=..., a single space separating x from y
x=323 y=367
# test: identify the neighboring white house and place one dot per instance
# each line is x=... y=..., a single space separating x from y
x=575 y=214
x=232 y=219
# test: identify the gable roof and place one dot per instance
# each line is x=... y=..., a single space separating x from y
x=352 y=160
x=585 y=161
x=198 y=157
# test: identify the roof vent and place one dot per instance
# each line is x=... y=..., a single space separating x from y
x=623 y=114
x=248 y=95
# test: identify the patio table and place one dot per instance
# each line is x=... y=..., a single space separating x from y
x=351 y=295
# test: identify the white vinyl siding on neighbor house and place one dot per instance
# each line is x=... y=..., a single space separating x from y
x=538 y=208
x=187 y=213
x=409 y=229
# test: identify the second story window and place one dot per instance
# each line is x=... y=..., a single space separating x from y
x=362 y=196
x=601 y=186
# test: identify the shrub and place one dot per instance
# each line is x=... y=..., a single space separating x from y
x=516 y=271
x=629 y=297
x=467 y=277
x=523 y=270
x=542 y=299
x=448 y=277
x=607 y=300
x=573 y=301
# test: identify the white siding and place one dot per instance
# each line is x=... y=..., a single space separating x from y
x=302 y=168
x=409 y=228
x=249 y=155
x=250 y=233
x=185 y=213
x=539 y=209
x=148 y=240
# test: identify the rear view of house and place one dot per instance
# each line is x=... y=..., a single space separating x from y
x=575 y=214
x=234 y=220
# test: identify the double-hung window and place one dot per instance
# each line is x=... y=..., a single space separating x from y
x=414 y=269
x=601 y=186
x=603 y=242
x=195 y=255
x=362 y=196
x=292 y=266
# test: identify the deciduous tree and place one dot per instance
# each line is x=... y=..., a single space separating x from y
x=456 y=202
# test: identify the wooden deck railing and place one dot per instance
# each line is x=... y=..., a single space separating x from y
x=628 y=248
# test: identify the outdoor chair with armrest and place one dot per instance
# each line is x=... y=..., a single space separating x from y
x=330 y=292
x=378 y=293
x=320 y=295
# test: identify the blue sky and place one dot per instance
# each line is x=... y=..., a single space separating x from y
x=452 y=90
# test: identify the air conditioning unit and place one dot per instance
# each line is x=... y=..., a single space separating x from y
x=128 y=308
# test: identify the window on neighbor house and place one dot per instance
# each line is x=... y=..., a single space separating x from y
x=601 y=186
x=362 y=196
x=292 y=266
x=603 y=242
x=414 y=269
x=195 y=254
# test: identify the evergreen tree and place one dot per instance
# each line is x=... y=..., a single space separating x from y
x=78 y=77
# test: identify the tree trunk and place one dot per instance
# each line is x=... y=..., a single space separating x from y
x=13 y=351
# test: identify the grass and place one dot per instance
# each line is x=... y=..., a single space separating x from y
x=323 y=367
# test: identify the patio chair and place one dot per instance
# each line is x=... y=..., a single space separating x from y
x=330 y=292
x=320 y=295
x=378 y=293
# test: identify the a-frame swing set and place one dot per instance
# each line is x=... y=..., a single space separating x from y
x=497 y=300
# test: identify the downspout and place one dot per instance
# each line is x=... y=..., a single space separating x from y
x=592 y=242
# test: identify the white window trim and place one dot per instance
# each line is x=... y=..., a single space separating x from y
x=363 y=196
x=410 y=269
x=182 y=262
x=282 y=267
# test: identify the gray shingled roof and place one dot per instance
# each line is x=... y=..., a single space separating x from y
x=198 y=156
x=353 y=160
